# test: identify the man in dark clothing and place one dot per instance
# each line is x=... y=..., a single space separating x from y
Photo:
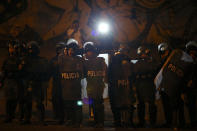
x=10 y=71
x=37 y=71
x=120 y=88
x=145 y=70
x=56 y=90
x=191 y=89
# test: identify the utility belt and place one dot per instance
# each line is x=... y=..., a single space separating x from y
x=144 y=76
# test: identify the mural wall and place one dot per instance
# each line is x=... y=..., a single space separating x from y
x=132 y=21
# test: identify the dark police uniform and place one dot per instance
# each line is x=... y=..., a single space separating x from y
x=191 y=91
x=56 y=90
x=144 y=71
x=171 y=79
x=21 y=89
x=71 y=70
x=37 y=71
x=95 y=74
x=120 y=89
x=11 y=72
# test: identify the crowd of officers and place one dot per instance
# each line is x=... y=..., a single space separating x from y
x=129 y=81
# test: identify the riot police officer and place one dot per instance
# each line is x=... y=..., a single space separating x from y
x=171 y=80
x=191 y=90
x=56 y=91
x=120 y=88
x=71 y=68
x=95 y=76
x=164 y=51
x=37 y=71
x=145 y=71
x=10 y=71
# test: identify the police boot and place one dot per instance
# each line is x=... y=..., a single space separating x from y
x=27 y=115
x=21 y=110
x=7 y=120
x=99 y=114
x=8 y=112
x=152 y=114
x=25 y=122
x=125 y=118
x=141 y=115
x=41 y=110
x=61 y=119
x=132 y=125
x=181 y=116
x=117 y=118
x=78 y=117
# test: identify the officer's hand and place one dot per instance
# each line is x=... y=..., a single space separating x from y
x=29 y=89
x=157 y=95
x=159 y=89
x=1 y=85
x=20 y=67
x=183 y=97
x=189 y=84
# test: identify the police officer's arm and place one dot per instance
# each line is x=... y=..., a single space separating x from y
x=191 y=78
x=46 y=70
x=110 y=70
x=3 y=73
x=1 y=79
x=104 y=69
x=83 y=69
x=51 y=67
x=132 y=75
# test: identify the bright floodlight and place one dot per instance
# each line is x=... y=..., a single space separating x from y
x=103 y=27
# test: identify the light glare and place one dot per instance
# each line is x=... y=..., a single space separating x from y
x=103 y=27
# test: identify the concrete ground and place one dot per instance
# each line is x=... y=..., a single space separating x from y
x=87 y=122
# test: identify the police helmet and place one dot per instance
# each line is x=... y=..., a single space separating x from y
x=163 y=47
x=143 y=50
x=72 y=43
x=34 y=46
x=60 y=45
x=13 y=43
x=192 y=45
x=89 y=46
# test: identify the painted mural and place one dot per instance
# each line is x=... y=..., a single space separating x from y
x=132 y=21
